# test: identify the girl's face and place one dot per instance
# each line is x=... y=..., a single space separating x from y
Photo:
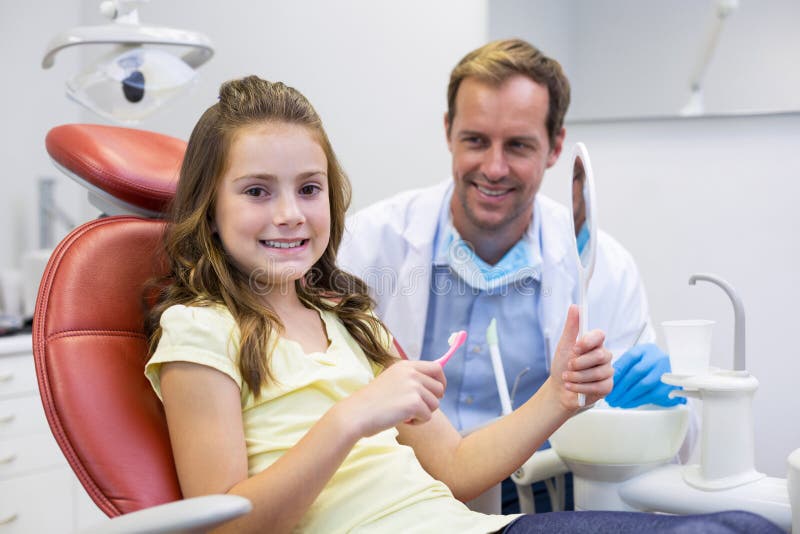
x=272 y=210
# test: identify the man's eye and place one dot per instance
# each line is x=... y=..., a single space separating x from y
x=520 y=146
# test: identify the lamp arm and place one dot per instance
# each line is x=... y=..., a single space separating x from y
x=723 y=10
x=133 y=35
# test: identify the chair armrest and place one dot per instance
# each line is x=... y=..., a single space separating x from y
x=198 y=514
x=541 y=466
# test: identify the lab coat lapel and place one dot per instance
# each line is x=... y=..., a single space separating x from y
x=559 y=276
x=410 y=308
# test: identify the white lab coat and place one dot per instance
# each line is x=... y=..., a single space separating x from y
x=390 y=246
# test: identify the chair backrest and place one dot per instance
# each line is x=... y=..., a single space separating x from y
x=88 y=332
x=90 y=349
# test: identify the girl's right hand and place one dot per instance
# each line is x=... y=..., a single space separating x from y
x=408 y=391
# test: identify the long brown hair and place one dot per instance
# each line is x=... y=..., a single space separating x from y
x=201 y=273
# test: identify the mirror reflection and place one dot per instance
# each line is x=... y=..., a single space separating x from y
x=578 y=200
x=580 y=197
x=652 y=58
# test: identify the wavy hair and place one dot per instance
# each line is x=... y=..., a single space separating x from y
x=201 y=273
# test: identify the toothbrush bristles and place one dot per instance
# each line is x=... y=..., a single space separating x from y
x=452 y=338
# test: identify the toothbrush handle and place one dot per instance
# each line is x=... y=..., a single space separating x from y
x=447 y=355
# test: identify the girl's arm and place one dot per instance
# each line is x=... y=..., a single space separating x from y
x=204 y=416
x=203 y=408
x=472 y=464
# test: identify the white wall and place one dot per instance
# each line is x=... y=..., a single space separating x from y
x=32 y=102
x=637 y=58
x=376 y=72
x=633 y=59
x=553 y=21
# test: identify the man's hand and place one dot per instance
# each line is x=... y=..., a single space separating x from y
x=637 y=379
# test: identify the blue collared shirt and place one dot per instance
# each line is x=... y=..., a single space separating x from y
x=465 y=294
x=582 y=238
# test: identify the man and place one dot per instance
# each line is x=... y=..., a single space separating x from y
x=485 y=245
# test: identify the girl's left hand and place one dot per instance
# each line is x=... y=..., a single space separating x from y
x=581 y=365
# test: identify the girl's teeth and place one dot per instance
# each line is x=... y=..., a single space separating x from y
x=279 y=244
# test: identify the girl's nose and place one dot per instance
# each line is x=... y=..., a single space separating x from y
x=288 y=212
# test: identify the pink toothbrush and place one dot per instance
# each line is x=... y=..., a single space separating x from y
x=456 y=340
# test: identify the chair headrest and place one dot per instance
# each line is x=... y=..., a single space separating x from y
x=137 y=167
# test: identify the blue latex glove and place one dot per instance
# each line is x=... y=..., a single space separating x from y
x=637 y=379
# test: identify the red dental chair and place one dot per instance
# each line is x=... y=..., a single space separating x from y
x=88 y=336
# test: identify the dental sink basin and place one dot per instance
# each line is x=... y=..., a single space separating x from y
x=613 y=436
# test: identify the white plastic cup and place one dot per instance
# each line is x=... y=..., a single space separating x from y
x=689 y=346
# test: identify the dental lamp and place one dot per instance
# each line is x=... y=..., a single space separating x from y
x=139 y=74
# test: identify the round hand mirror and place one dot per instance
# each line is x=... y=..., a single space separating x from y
x=584 y=219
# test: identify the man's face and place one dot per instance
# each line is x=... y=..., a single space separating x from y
x=500 y=150
x=578 y=200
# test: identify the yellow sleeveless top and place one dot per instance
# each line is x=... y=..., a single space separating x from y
x=380 y=486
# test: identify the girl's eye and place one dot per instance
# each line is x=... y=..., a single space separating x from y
x=310 y=189
x=255 y=191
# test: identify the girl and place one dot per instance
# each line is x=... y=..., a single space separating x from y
x=277 y=381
